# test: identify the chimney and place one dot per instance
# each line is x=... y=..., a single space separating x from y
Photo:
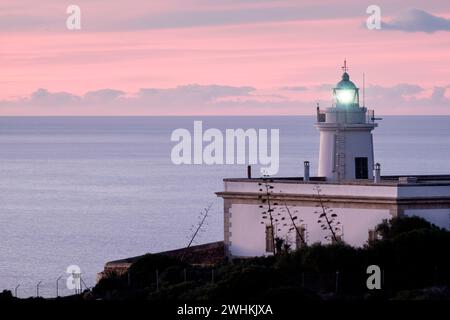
x=377 y=173
x=249 y=172
x=306 y=171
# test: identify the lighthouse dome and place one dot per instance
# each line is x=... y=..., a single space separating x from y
x=345 y=83
x=346 y=93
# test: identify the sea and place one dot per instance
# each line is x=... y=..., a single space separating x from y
x=86 y=190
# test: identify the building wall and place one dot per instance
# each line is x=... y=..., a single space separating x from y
x=362 y=190
x=359 y=207
x=439 y=217
x=247 y=233
x=414 y=191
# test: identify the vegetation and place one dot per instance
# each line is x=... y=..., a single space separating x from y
x=278 y=217
x=328 y=219
x=412 y=254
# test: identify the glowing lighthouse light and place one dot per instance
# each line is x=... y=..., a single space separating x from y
x=346 y=93
x=345 y=96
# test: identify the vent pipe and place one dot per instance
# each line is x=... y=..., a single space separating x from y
x=249 y=172
x=377 y=173
x=306 y=171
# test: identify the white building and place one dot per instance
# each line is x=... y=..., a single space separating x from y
x=348 y=192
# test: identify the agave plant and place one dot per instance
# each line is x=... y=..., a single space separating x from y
x=328 y=219
x=266 y=200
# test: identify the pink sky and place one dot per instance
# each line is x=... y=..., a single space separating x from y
x=254 y=57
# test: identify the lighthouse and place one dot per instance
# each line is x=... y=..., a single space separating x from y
x=345 y=184
x=346 y=143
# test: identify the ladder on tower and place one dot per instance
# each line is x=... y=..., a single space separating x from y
x=340 y=154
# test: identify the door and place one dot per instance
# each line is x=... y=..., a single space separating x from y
x=361 y=168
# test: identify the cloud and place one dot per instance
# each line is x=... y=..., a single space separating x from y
x=394 y=92
x=186 y=97
x=163 y=14
x=416 y=20
x=103 y=95
x=406 y=96
x=196 y=91
x=222 y=99
x=44 y=97
x=438 y=95
x=294 y=88
x=324 y=87
x=179 y=97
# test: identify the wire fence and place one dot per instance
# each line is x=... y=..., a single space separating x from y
x=338 y=282
x=51 y=288
x=343 y=281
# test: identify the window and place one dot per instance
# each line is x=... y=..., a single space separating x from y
x=269 y=239
x=373 y=236
x=301 y=231
x=361 y=168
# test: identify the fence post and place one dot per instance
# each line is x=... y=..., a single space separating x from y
x=37 y=289
x=15 y=290
x=83 y=283
x=57 y=286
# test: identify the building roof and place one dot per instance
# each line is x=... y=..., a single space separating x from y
x=419 y=191
x=202 y=254
x=392 y=180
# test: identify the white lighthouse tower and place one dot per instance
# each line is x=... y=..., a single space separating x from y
x=346 y=143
